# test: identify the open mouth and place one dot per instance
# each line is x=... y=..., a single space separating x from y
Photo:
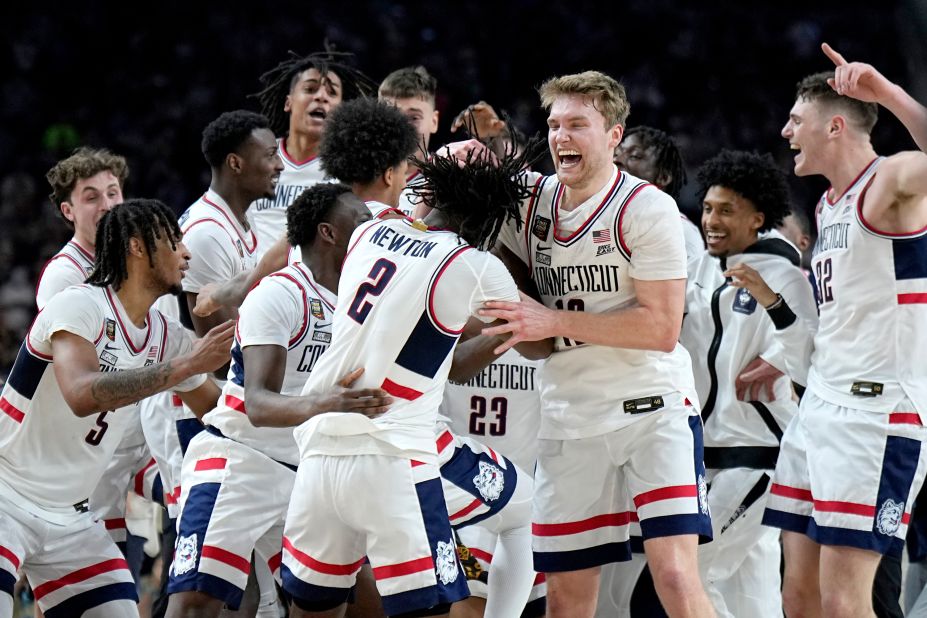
x=569 y=158
x=713 y=238
x=318 y=114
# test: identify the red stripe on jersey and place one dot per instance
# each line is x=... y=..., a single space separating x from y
x=434 y=284
x=398 y=390
x=33 y=351
x=227 y=557
x=9 y=555
x=481 y=554
x=912 y=299
x=665 y=493
x=850 y=186
x=585 y=525
x=466 y=510
x=850 y=508
x=213 y=463
x=904 y=418
x=233 y=222
x=116 y=564
x=140 y=478
x=443 y=440
x=404 y=568
x=287 y=157
x=322 y=567
x=791 y=492
x=173 y=497
x=176 y=401
x=12 y=411
x=235 y=403
x=416 y=463
x=555 y=207
x=87 y=254
x=274 y=563
x=529 y=215
x=493 y=454
x=115 y=524
x=305 y=324
x=624 y=209
x=122 y=326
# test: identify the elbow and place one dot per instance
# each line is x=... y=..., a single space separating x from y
x=537 y=350
x=668 y=338
x=82 y=409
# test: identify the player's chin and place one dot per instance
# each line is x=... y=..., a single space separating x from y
x=176 y=289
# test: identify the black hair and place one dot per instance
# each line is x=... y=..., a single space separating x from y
x=311 y=208
x=483 y=193
x=754 y=176
x=279 y=81
x=148 y=220
x=226 y=133
x=364 y=138
x=668 y=159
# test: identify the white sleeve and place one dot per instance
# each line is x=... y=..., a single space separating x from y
x=652 y=231
x=213 y=257
x=795 y=339
x=59 y=273
x=695 y=245
x=510 y=236
x=179 y=342
x=494 y=282
x=478 y=271
x=73 y=310
x=270 y=314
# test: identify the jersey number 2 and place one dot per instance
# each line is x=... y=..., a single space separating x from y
x=380 y=275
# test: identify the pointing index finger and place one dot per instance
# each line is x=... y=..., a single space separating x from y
x=833 y=54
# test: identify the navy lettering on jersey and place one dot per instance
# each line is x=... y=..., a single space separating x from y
x=503 y=376
x=311 y=354
x=284 y=196
x=834 y=236
x=400 y=243
x=563 y=280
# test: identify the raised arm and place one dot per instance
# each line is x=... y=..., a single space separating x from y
x=862 y=81
x=87 y=390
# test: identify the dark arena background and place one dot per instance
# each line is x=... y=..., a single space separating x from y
x=144 y=82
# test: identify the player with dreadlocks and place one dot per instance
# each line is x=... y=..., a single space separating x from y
x=91 y=355
x=370 y=486
x=298 y=96
x=653 y=155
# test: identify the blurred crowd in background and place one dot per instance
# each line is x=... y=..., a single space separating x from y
x=144 y=82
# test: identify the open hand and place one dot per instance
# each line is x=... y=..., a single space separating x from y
x=213 y=350
x=479 y=120
x=370 y=402
x=527 y=320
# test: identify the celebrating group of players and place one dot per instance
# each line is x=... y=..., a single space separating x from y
x=443 y=374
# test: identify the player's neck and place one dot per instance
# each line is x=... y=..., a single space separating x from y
x=325 y=266
x=87 y=244
x=846 y=168
x=374 y=192
x=233 y=198
x=575 y=196
x=136 y=299
x=300 y=147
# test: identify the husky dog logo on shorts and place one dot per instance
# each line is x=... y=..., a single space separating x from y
x=889 y=518
x=446 y=563
x=185 y=554
x=489 y=482
x=702 y=494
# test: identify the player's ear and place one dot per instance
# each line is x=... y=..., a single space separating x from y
x=67 y=211
x=757 y=221
x=287 y=106
x=388 y=177
x=136 y=247
x=615 y=135
x=435 y=119
x=663 y=179
x=326 y=231
x=233 y=161
x=836 y=126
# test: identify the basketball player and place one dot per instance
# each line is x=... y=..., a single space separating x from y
x=412 y=90
x=91 y=354
x=238 y=474
x=298 y=96
x=853 y=461
x=653 y=155
x=743 y=195
x=607 y=253
x=394 y=510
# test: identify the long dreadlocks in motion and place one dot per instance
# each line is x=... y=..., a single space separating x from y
x=149 y=220
x=279 y=81
x=482 y=192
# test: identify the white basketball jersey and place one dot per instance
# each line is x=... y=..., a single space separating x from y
x=68 y=267
x=870 y=351
x=268 y=216
x=48 y=455
x=404 y=296
x=500 y=407
x=584 y=260
x=220 y=246
x=288 y=308
x=408 y=201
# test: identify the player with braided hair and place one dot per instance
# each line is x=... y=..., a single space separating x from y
x=298 y=96
x=90 y=356
x=371 y=486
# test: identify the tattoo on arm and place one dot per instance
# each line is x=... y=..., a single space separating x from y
x=119 y=388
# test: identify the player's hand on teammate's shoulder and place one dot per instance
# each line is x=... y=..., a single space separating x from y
x=206 y=303
x=213 y=349
x=371 y=402
x=857 y=79
x=527 y=320
x=479 y=120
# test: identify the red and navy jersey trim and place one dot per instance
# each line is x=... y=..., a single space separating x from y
x=582 y=229
x=235 y=227
x=622 y=246
x=133 y=350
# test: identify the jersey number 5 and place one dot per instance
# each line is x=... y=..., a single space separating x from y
x=96 y=435
x=380 y=275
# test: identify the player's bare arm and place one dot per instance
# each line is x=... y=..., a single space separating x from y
x=88 y=391
x=265 y=366
x=653 y=325
x=214 y=296
x=201 y=399
x=862 y=81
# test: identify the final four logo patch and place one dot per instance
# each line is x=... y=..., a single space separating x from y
x=541 y=227
x=315 y=307
x=110 y=329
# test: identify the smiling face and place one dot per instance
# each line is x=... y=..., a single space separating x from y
x=807 y=132
x=260 y=164
x=729 y=220
x=90 y=199
x=311 y=100
x=581 y=143
x=634 y=157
